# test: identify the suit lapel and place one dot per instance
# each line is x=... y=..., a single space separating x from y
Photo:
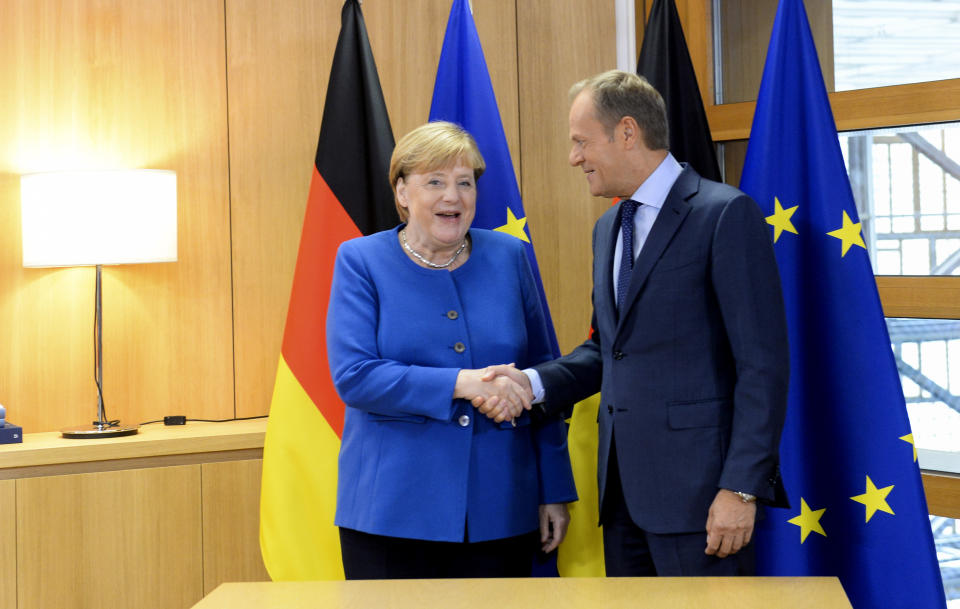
x=606 y=303
x=668 y=221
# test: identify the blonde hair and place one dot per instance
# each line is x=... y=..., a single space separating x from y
x=617 y=94
x=429 y=147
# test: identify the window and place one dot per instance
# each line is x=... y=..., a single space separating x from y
x=906 y=182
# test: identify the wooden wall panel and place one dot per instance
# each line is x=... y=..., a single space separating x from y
x=8 y=544
x=278 y=63
x=559 y=44
x=406 y=38
x=696 y=18
x=278 y=67
x=745 y=27
x=72 y=553
x=116 y=84
x=231 y=523
x=943 y=493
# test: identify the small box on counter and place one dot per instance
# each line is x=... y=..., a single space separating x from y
x=11 y=434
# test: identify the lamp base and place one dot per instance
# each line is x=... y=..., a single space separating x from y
x=99 y=431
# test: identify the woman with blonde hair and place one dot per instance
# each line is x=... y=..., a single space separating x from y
x=429 y=487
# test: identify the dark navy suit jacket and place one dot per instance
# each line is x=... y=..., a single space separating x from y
x=693 y=373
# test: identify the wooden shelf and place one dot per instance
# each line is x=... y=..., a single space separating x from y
x=156 y=442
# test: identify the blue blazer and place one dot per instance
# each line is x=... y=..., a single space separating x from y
x=414 y=462
x=693 y=373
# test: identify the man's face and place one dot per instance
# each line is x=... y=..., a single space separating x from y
x=594 y=150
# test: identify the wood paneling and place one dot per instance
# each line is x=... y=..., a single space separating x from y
x=734 y=156
x=278 y=68
x=557 y=202
x=943 y=494
x=116 y=84
x=696 y=20
x=278 y=63
x=925 y=297
x=231 y=523
x=116 y=539
x=926 y=102
x=745 y=27
x=196 y=439
x=406 y=38
x=8 y=544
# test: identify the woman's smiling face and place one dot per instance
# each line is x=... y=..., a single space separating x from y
x=441 y=204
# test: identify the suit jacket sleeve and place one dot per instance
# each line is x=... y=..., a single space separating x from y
x=747 y=286
x=575 y=376
x=363 y=379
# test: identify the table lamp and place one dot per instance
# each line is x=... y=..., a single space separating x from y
x=93 y=218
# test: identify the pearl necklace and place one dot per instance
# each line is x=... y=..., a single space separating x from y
x=433 y=265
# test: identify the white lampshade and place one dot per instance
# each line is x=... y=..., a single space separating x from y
x=78 y=218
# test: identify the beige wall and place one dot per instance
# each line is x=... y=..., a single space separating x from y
x=230 y=95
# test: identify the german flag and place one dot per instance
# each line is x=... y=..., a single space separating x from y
x=350 y=196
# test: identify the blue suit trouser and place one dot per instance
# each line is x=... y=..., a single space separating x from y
x=630 y=551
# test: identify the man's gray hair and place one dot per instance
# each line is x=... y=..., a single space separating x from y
x=617 y=94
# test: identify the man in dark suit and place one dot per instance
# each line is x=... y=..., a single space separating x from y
x=688 y=346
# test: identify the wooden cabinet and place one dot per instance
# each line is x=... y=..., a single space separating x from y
x=155 y=520
x=230 y=492
x=8 y=545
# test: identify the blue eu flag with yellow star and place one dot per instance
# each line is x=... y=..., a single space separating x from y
x=848 y=462
x=463 y=94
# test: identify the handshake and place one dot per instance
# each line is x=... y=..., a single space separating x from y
x=501 y=392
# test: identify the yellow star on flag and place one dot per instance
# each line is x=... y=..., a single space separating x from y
x=780 y=220
x=875 y=499
x=849 y=234
x=909 y=439
x=514 y=226
x=808 y=520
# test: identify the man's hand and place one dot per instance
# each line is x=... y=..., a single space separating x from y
x=729 y=524
x=554 y=520
x=503 y=398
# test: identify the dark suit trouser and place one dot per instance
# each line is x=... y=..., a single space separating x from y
x=630 y=551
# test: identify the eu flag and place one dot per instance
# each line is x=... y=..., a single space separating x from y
x=847 y=452
x=463 y=94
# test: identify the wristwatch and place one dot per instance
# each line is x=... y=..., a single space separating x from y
x=745 y=497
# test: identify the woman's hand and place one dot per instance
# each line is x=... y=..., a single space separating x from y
x=554 y=520
x=511 y=398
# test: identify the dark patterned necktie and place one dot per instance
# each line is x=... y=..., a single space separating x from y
x=628 y=209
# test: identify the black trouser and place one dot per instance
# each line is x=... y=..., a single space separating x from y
x=630 y=551
x=367 y=556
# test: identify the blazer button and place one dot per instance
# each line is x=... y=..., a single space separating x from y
x=610 y=408
x=464 y=420
x=452 y=314
x=618 y=355
x=459 y=347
